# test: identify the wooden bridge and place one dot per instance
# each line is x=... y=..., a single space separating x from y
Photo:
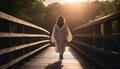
x=95 y=45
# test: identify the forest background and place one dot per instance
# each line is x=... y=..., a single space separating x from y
x=34 y=11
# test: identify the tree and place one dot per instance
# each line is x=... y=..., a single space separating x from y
x=28 y=10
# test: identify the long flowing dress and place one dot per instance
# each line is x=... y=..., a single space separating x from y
x=60 y=36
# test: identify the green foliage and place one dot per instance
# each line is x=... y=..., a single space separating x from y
x=36 y=12
x=82 y=12
x=29 y=10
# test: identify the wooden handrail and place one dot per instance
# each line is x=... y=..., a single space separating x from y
x=5 y=66
x=7 y=50
x=109 y=17
x=88 y=56
x=98 y=35
x=19 y=21
x=100 y=39
x=2 y=34
x=24 y=38
x=104 y=51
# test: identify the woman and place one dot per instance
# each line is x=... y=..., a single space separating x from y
x=60 y=34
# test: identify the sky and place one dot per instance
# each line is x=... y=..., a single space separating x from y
x=46 y=2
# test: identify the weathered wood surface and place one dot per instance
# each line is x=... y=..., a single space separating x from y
x=19 y=21
x=48 y=59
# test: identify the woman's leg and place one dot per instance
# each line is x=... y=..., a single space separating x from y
x=59 y=55
x=62 y=55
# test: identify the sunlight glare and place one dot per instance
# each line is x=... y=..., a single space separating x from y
x=71 y=1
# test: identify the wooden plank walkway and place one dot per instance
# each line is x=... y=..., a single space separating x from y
x=48 y=59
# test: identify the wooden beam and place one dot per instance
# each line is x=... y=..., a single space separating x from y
x=104 y=51
x=19 y=21
x=5 y=66
x=104 y=19
x=7 y=50
x=97 y=35
x=2 y=34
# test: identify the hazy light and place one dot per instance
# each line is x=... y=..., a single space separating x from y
x=46 y=2
x=71 y=1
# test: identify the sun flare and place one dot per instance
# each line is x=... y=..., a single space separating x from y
x=71 y=1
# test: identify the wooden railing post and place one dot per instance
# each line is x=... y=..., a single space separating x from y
x=97 y=31
x=108 y=28
x=107 y=31
x=97 y=41
x=119 y=34
x=90 y=40
x=119 y=26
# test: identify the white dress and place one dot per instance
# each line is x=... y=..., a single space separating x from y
x=60 y=36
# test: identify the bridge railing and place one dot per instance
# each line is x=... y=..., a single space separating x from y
x=19 y=40
x=99 y=41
